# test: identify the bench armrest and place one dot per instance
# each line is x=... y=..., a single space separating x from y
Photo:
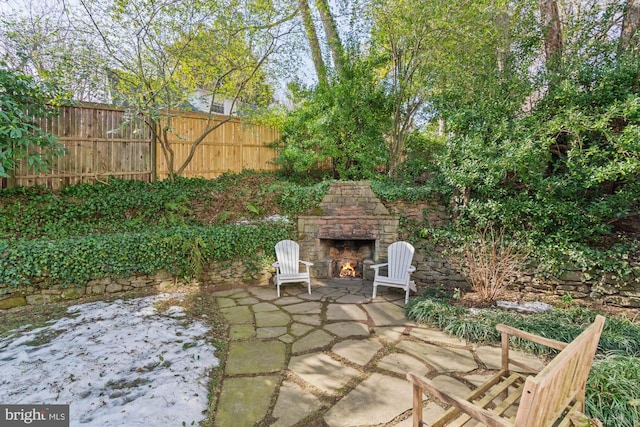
x=477 y=413
x=558 y=345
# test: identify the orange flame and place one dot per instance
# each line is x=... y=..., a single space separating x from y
x=348 y=270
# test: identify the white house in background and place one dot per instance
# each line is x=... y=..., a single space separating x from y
x=201 y=101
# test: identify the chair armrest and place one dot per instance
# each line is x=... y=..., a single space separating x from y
x=558 y=345
x=307 y=263
x=412 y=268
x=377 y=266
x=476 y=412
x=275 y=264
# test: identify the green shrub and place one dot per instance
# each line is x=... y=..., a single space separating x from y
x=341 y=126
x=389 y=191
x=180 y=250
x=126 y=206
x=612 y=391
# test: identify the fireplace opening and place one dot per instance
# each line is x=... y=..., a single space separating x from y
x=348 y=256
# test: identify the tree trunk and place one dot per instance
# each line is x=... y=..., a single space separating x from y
x=503 y=51
x=314 y=44
x=630 y=37
x=552 y=31
x=331 y=31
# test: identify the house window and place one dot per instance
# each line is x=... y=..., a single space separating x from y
x=217 y=108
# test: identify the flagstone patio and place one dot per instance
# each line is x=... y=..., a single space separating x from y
x=336 y=357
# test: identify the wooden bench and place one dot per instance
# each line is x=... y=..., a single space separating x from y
x=553 y=396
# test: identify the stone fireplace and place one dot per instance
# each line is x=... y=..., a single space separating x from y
x=352 y=229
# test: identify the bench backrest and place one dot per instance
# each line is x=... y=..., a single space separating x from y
x=562 y=382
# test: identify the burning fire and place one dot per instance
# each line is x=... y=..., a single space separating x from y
x=348 y=270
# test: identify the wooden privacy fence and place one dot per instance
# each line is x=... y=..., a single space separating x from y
x=105 y=141
x=232 y=147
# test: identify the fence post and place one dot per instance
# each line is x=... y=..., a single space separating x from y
x=153 y=127
x=11 y=179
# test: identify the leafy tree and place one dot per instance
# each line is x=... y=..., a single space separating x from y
x=550 y=154
x=343 y=125
x=23 y=103
x=163 y=51
x=44 y=39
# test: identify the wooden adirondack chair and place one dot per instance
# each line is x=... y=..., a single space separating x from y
x=399 y=269
x=288 y=265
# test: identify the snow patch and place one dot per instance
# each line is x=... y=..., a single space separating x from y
x=117 y=363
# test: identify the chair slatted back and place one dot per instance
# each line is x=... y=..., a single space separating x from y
x=400 y=255
x=288 y=256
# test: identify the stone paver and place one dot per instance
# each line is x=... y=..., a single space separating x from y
x=348 y=329
x=321 y=371
x=293 y=405
x=386 y=314
x=248 y=301
x=265 y=319
x=430 y=412
x=310 y=307
x=226 y=302
x=271 y=332
x=239 y=294
x=401 y=363
x=299 y=329
x=336 y=357
x=441 y=358
x=376 y=400
x=264 y=306
x=345 y=312
x=312 y=297
x=389 y=334
x=314 y=340
x=314 y=320
x=229 y=293
x=359 y=352
x=451 y=385
x=286 y=300
x=266 y=293
x=237 y=315
x=245 y=401
x=242 y=331
x=255 y=357
x=352 y=299
x=436 y=336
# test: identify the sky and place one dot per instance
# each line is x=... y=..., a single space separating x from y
x=115 y=363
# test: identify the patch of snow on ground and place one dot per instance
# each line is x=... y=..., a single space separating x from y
x=118 y=363
x=525 y=307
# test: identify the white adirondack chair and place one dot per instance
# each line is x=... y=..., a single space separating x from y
x=399 y=269
x=288 y=265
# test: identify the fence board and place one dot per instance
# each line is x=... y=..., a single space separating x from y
x=104 y=141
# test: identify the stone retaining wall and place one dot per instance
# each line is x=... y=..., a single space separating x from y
x=434 y=269
x=224 y=276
